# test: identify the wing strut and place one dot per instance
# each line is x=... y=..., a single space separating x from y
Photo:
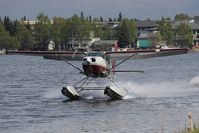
x=71 y=64
x=121 y=62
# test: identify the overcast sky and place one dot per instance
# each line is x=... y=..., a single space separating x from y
x=140 y=9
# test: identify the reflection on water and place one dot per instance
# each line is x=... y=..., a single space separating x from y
x=159 y=99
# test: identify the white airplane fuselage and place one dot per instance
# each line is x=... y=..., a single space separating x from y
x=95 y=66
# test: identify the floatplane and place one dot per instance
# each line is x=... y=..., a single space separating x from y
x=99 y=65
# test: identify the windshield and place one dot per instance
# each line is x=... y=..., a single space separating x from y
x=95 y=54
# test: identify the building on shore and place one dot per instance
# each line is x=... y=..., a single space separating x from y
x=151 y=26
x=147 y=26
x=195 y=30
x=144 y=27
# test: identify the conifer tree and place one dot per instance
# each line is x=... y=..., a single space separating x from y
x=127 y=33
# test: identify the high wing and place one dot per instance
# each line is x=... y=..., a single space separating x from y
x=54 y=55
x=143 y=54
x=78 y=56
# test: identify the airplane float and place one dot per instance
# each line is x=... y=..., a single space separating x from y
x=99 y=65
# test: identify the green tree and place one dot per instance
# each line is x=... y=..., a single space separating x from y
x=90 y=18
x=57 y=31
x=65 y=33
x=42 y=36
x=164 y=26
x=181 y=17
x=28 y=26
x=9 y=26
x=99 y=32
x=156 y=39
x=95 y=19
x=184 y=35
x=101 y=19
x=110 y=20
x=119 y=17
x=23 y=18
x=107 y=34
x=24 y=36
x=41 y=31
x=6 y=41
x=42 y=18
x=86 y=29
x=82 y=16
x=126 y=32
x=78 y=29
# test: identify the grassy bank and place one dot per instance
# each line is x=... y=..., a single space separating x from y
x=188 y=130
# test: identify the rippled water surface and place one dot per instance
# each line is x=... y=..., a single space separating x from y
x=158 y=100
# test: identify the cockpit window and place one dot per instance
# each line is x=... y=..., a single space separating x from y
x=97 y=53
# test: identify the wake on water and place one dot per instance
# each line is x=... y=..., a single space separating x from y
x=195 y=81
x=161 y=89
x=138 y=90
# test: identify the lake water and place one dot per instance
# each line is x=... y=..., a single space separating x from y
x=158 y=100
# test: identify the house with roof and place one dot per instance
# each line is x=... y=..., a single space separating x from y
x=147 y=26
x=146 y=30
x=151 y=26
x=195 y=29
